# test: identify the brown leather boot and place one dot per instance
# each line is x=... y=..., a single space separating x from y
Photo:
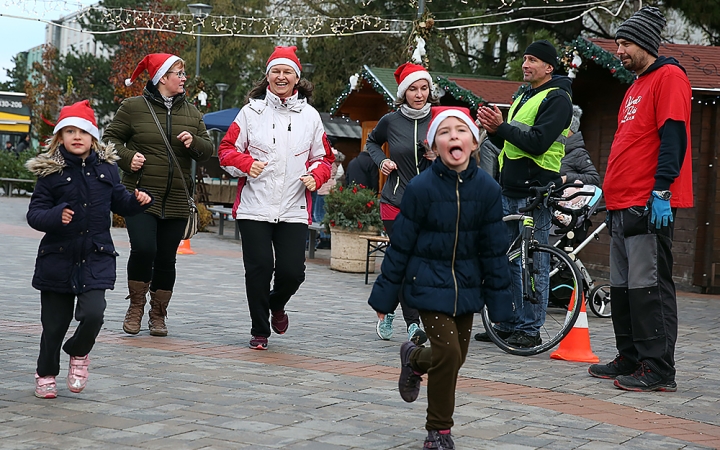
x=159 y=301
x=138 y=298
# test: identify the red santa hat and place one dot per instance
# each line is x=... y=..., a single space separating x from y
x=407 y=74
x=440 y=113
x=79 y=115
x=157 y=65
x=284 y=55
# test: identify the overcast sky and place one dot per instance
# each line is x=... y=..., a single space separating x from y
x=18 y=35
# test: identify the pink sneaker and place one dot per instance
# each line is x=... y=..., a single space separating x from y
x=78 y=373
x=45 y=387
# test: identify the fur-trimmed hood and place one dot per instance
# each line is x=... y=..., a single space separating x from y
x=53 y=160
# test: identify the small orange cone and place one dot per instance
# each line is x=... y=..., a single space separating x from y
x=184 y=249
x=576 y=345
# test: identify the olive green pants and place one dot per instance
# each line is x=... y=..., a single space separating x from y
x=449 y=341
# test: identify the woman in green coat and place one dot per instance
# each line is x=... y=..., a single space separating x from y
x=146 y=163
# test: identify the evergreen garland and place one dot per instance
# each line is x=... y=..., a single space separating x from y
x=459 y=93
x=589 y=51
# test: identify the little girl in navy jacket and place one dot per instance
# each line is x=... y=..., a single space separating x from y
x=78 y=186
x=447 y=254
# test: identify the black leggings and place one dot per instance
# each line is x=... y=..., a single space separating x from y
x=153 y=249
x=410 y=314
x=271 y=248
x=56 y=313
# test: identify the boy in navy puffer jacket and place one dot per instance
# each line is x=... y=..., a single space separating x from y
x=447 y=254
x=78 y=185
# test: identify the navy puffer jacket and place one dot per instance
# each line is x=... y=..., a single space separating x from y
x=79 y=256
x=448 y=245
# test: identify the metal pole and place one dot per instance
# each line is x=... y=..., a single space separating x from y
x=193 y=163
x=421 y=8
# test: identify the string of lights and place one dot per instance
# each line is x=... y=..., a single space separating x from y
x=120 y=20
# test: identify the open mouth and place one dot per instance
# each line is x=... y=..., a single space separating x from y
x=456 y=153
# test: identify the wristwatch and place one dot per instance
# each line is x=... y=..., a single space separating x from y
x=663 y=195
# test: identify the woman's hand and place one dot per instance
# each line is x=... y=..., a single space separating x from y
x=388 y=166
x=186 y=138
x=142 y=197
x=257 y=168
x=67 y=214
x=137 y=162
x=309 y=182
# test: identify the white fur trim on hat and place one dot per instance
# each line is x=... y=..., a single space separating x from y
x=78 y=122
x=410 y=79
x=164 y=68
x=437 y=120
x=286 y=61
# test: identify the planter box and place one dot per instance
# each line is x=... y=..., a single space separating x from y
x=348 y=251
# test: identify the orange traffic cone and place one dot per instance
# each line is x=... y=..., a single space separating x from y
x=576 y=345
x=184 y=248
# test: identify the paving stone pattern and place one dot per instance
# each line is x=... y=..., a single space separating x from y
x=328 y=383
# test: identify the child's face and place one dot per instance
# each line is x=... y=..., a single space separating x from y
x=454 y=142
x=77 y=141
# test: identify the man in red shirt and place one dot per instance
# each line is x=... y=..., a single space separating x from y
x=649 y=176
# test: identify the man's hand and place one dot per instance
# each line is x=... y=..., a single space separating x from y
x=257 y=168
x=661 y=214
x=490 y=118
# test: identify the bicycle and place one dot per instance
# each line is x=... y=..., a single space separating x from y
x=525 y=248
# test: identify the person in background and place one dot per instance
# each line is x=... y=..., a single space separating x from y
x=576 y=164
x=145 y=162
x=533 y=144
x=448 y=256
x=78 y=186
x=336 y=174
x=24 y=143
x=404 y=130
x=278 y=148
x=649 y=175
x=9 y=147
x=362 y=170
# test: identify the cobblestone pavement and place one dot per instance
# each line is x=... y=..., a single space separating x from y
x=328 y=383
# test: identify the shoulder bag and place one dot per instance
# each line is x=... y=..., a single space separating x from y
x=191 y=228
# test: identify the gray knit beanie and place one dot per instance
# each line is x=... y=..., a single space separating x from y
x=575 y=123
x=643 y=28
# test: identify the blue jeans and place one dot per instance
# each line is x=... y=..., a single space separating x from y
x=318 y=213
x=529 y=317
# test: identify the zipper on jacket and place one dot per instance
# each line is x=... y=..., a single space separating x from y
x=457 y=234
x=171 y=168
x=415 y=141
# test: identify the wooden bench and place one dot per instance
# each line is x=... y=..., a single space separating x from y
x=314 y=229
x=224 y=214
x=374 y=244
x=9 y=182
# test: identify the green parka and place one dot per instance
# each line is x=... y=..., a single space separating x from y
x=133 y=130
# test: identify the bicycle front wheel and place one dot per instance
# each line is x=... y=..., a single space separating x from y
x=558 y=320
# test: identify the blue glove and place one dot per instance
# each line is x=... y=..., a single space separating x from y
x=661 y=214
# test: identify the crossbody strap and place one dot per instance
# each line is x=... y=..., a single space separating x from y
x=171 y=153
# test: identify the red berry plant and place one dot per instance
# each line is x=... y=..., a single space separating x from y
x=353 y=206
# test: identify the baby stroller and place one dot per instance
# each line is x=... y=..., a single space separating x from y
x=569 y=232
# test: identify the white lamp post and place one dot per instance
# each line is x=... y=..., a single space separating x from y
x=199 y=12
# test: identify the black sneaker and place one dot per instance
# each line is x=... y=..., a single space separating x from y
x=523 y=340
x=615 y=368
x=645 y=379
x=409 y=382
x=439 y=440
x=485 y=337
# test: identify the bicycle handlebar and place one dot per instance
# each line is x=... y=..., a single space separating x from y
x=553 y=194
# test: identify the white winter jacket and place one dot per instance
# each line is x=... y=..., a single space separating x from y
x=289 y=136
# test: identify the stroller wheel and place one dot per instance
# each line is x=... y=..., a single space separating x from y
x=599 y=300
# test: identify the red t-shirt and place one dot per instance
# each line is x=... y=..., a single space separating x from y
x=661 y=95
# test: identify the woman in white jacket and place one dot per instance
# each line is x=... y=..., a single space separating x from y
x=278 y=148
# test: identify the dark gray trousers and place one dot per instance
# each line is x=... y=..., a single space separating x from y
x=644 y=306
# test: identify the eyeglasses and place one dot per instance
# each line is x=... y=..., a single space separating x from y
x=179 y=73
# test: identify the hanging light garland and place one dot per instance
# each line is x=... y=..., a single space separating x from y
x=581 y=48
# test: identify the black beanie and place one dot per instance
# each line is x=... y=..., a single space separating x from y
x=543 y=50
x=643 y=28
